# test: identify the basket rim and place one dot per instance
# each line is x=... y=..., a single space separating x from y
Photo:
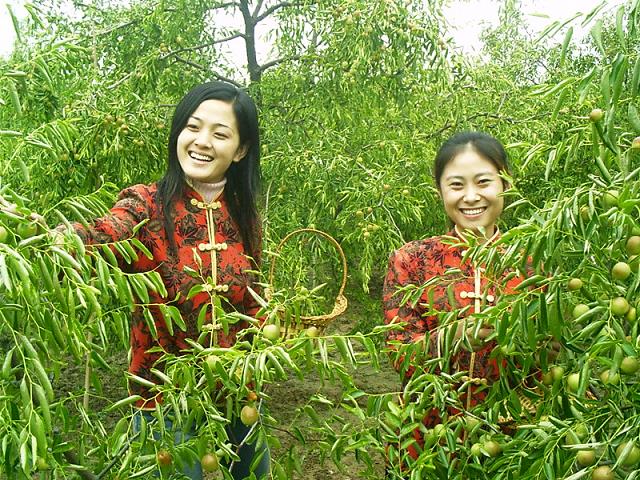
x=340 y=303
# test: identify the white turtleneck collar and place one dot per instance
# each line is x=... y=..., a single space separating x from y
x=209 y=191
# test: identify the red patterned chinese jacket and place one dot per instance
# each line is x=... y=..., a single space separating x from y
x=418 y=262
x=203 y=229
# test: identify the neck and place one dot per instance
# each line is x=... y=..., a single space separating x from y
x=208 y=191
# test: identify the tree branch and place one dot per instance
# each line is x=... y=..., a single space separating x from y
x=121 y=81
x=198 y=47
x=277 y=61
x=191 y=64
x=117 y=27
x=257 y=9
x=228 y=80
x=272 y=9
x=205 y=69
x=224 y=5
x=81 y=470
x=227 y=39
x=118 y=456
x=495 y=116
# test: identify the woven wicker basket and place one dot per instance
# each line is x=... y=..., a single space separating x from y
x=340 y=305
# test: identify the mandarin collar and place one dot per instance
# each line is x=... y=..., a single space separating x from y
x=193 y=193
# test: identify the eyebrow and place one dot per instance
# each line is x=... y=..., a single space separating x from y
x=460 y=177
x=215 y=124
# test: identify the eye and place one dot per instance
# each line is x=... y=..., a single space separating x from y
x=220 y=135
x=455 y=185
x=485 y=181
x=192 y=126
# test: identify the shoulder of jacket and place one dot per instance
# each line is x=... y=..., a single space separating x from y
x=418 y=245
x=140 y=189
x=143 y=196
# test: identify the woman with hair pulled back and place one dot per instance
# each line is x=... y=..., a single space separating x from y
x=202 y=216
x=467 y=170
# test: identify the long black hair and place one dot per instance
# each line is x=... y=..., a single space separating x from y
x=482 y=143
x=243 y=177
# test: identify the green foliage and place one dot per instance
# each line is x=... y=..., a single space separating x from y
x=353 y=107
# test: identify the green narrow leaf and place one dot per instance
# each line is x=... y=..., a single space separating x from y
x=151 y=322
x=195 y=290
x=543 y=318
x=634 y=118
x=635 y=78
x=584 y=378
x=122 y=251
x=139 y=288
x=131 y=253
x=15 y=98
x=565 y=45
x=619 y=25
x=556 y=323
x=177 y=317
x=124 y=402
x=281 y=375
x=164 y=310
x=110 y=256
x=596 y=33
x=202 y=316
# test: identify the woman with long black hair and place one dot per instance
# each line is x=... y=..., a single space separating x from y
x=201 y=216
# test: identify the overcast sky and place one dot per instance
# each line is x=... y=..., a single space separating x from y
x=468 y=17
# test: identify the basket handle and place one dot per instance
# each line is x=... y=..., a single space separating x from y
x=333 y=241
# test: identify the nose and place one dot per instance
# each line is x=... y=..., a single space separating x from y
x=203 y=139
x=471 y=194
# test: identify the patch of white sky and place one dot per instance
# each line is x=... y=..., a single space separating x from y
x=467 y=19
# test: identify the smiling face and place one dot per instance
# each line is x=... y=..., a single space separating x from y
x=471 y=189
x=209 y=142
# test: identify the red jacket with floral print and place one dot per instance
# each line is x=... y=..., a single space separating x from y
x=141 y=202
x=462 y=283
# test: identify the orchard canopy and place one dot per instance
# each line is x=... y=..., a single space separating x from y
x=355 y=97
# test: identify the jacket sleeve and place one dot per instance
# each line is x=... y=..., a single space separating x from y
x=420 y=331
x=133 y=206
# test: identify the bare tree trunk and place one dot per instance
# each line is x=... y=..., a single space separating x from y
x=255 y=71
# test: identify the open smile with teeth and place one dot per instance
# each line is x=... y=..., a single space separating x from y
x=200 y=157
x=472 y=211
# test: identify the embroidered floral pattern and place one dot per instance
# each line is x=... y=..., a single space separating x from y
x=451 y=286
x=141 y=202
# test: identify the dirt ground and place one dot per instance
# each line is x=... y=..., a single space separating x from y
x=292 y=394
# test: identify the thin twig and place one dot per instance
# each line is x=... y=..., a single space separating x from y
x=79 y=469
x=204 y=69
x=117 y=456
x=118 y=27
x=120 y=82
x=284 y=430
x=257 y=9
x=273 y=8
x=244 y=440
x=192 y=64
x=277 y=61
x=200 y=47
x=87 y=375
x=224 y=5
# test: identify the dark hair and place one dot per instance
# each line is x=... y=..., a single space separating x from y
x=483 y=144
x=243 y=177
